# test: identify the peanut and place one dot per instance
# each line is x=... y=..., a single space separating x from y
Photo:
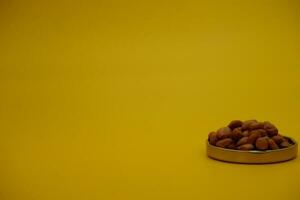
x=255 y=125
x=235 y=124
x=247 y=124
x=253 y=136
x=231 y=146
x=262 y=143
x=246 y=147
x=237 y=133
x=271 y=129
x=242 y=141
x=245 y=133
x=213 y=138
x=224 y=132
x=278 y=139
x=272 y=144
x=285 y=144
x=224 y=142
x=262 y=132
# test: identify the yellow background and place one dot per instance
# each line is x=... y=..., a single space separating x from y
x=113 y=100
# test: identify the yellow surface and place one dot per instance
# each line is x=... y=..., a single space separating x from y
x=113 y=100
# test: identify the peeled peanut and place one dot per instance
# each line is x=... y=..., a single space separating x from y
x=262 y=143
x=213 y=138
x=235 y=124
x=224 y=142
x=224 y=132
x=272 y=144
x=246 y=147
x=253 y=136
x=242 y=141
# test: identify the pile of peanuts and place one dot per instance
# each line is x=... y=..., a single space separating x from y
x=249 y=135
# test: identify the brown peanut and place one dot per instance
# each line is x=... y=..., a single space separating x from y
x=213 y=138
x=256 y=125
x=284 y=144
x=224 y=132
x=235 y=124
x=271 y=129
x=247 y=124
x=262 y=143
x=242 y=141
x=253 y=136
x=272 y=144
x=231 y=146
x=237 y=133
x=278 y=139
x=246 y=147
x=272 y=132
x=246 y=133
x=268 y=125
x=224 y=142
x=262 y=132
